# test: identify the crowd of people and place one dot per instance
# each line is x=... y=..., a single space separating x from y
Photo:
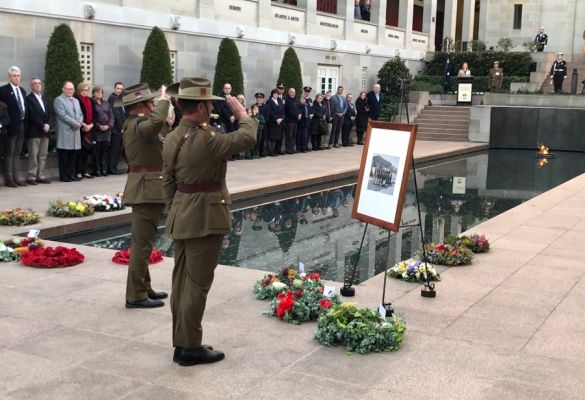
x=288 y=123
x=88 y=127
x=88 y=130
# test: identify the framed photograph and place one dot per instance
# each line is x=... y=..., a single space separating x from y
x=383 y=176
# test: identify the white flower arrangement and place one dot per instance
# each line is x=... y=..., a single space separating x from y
x=414 y=271
x=104 y=202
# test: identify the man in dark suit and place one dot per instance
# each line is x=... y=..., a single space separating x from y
x=38 y=125
x=14 y=97
x=225 y=115
x=292 y=117
x=116 y=139
x=375 y=98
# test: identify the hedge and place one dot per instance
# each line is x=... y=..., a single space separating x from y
x=434 y=84
x=513 y=63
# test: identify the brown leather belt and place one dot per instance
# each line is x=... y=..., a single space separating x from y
x=200 y=187
x=146 y=168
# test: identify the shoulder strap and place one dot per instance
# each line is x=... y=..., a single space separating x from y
x=183 y=139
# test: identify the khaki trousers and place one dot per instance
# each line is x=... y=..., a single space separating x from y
x=145 y=219
x=195 y=262
x=37 y=157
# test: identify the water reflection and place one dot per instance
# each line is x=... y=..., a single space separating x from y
x=317 y=228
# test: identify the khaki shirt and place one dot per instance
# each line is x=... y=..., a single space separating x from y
x=201 y=159
x=496 y=77
x=143 y=147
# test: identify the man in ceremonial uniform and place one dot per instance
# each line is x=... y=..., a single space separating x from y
x=144 y=131
x=541 y=40
x=558 y=72
x=199 y=207
x=496 y=77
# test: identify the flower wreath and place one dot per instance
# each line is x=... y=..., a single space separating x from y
x=360 y=330
x=448 y=254
x=103 y=202
x=19 y=217
x=12 y=249
x=49 y=257
x=414 y=271
x=123 y=257
x=69 y=209
x=474 y=242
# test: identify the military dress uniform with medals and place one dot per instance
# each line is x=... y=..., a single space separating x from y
x=558 y=72
x=541 y=40
x=199 y=216
x=143 y=191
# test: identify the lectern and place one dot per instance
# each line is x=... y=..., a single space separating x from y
x=464 y=90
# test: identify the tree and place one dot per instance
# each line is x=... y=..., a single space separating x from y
x=290 y=71
x=61 y=61
x=505 y=44
x=228 y=68
x=156 y=60
x=391 y=76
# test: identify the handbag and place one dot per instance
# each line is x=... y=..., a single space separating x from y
x=86 y=144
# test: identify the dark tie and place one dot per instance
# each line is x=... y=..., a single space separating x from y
x=19 y=101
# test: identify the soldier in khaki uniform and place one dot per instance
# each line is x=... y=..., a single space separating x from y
x=496 y=77
x=143 y=132
x=199 y=207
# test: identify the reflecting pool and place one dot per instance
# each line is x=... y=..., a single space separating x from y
x=317 y=229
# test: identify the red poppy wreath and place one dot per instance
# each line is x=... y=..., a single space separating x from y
x=52 y=257
x=123 y=257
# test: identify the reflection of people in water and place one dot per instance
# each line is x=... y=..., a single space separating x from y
x=231 y=243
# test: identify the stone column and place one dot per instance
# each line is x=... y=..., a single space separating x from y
x=264 y=13
x=450 y=22
x=430 y=21
x=405 y=15
x=206 y=9
x=467 y=23
x=379 y=7
x=345 y=9
x=311 y=16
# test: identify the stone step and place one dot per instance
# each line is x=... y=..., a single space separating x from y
x=441 y=123
x=443 y=138
x=462 y=132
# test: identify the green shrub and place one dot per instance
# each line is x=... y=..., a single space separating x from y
x=505 y=44
x=514 y=63
x=156 y=60
x=434 y=84
x=228 y=68
x=390 y=84
x=61 y=61
x=290 y=71
x=431 y=84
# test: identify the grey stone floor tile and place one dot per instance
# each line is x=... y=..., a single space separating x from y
x=530 y=239
x=68 y=345
x=154 y=392
x=486 y=331
x=505 y=390
x=16 y=330
x=75 y=384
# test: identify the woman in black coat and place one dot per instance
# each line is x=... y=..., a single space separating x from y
x=274 y=123
x=318 y=115
x=361 y=120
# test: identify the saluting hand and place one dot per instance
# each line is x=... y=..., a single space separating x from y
x=163 y=93
x=235 y=107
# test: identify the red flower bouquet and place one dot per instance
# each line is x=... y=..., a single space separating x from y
x=123 y=257
x=49 y=257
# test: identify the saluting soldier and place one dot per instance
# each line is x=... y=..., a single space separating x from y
x=144 y=131
x=199 y=207
x=541 y=40
x=496 y=77
x=558 y=72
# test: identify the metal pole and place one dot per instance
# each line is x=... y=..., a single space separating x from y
x=347 y=290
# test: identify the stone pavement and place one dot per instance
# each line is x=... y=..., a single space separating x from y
x=510 y=326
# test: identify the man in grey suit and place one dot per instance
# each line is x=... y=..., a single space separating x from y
x=339 y=105
x=69 y=120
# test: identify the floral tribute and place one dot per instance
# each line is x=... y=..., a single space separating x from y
x=271 y=285
x=476 y=243
x=69 y=209
x=19 y=217
x=361 y=330
x=105 y=203
x=295 y=297
x=12 y=249
x=123 y=257
x=448 y=254
x=414 y=271
x=52 y=257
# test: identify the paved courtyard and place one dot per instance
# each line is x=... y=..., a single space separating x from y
x=510 y=326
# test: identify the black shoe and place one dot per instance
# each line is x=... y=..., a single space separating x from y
x=178 y=350
x=31 y=181
x=65 y=180
x=157 y=295
x=198 y=355
x=76 y=179
x=146 y=303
